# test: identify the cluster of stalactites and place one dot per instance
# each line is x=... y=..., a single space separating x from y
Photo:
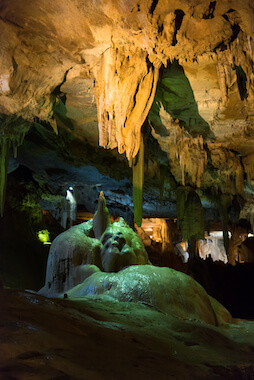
x=229 y=167
x=235 y=65
x=192 y=157
x=124 y=86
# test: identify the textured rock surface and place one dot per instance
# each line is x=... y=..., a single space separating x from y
x=118 y=340
x=70 y=250
x=121 y=247
x=165 y=289
x=96 y=242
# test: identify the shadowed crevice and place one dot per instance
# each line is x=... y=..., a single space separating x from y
x=241 y=82
x=153 y=6
x=178 y=22
x=210 y=12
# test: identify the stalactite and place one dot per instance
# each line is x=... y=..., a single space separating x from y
x=190 y=213
x=124 y=87
x=229 y=168
x=3 y=172
x=192 y=158
x=138 y=181
x=222 y=79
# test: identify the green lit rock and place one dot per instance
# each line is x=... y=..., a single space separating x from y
x=115 y=247
x=165 y=289
x=121 y=247
x=138 y=182
x=190 y=214
x=70 y=250
x=101 y=218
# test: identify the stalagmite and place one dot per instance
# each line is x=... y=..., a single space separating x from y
x=72 y=205
x=101 y=220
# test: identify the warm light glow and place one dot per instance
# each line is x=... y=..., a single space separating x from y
x=218 y=234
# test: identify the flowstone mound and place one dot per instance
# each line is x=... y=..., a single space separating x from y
x=165 y=289
x=70 y=250
x=105 y=246
x=121 y=247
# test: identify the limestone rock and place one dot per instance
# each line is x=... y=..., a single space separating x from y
x=84 y=248
x=69 y=251
x=121 y=247
x=165 y=289
x=101 y=220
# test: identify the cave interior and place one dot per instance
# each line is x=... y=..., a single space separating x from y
x=127 y=189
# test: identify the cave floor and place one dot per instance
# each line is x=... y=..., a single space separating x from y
x=101 y=338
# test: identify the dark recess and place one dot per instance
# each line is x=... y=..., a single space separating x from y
x=235 y=29
x=209 y=13
x=178 y=22
x=153 y=6
x=241 y=82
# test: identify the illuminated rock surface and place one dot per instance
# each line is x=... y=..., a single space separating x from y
x=165 y=289
x=77 y=77
x=107 y=246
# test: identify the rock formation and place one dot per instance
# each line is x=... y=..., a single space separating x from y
x=97 y=243
x=165 y=289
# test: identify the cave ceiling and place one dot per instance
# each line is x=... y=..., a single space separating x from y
x=79 y=76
